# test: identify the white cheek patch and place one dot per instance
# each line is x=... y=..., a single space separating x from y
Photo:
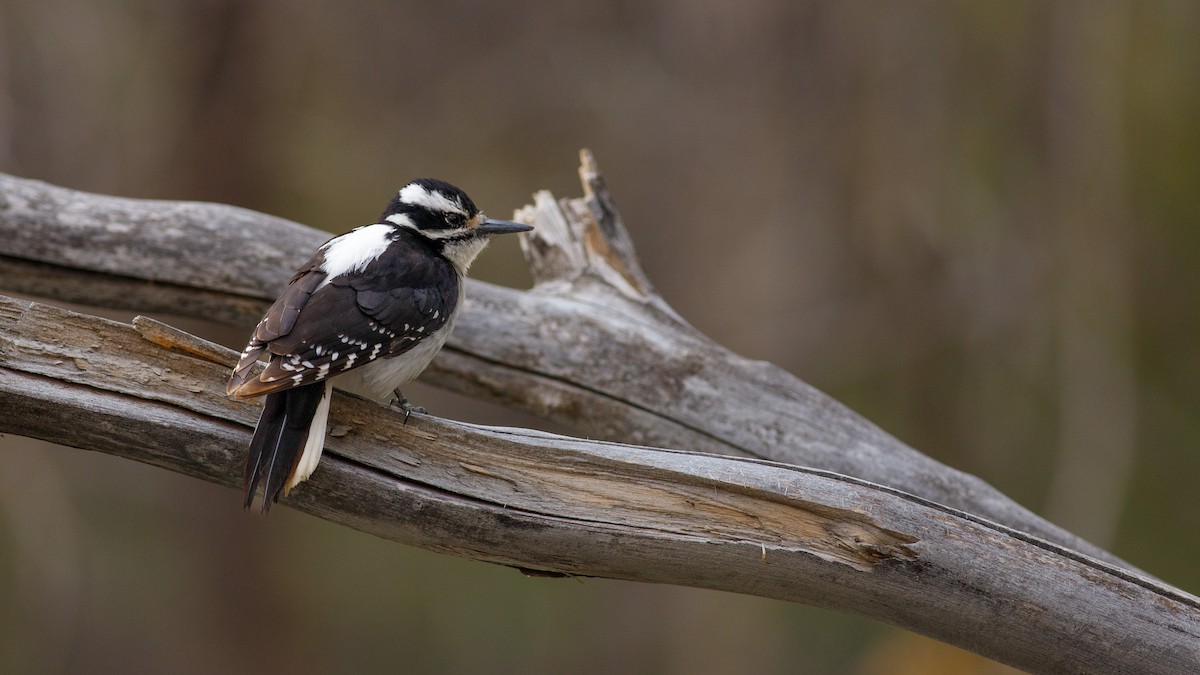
x=462 y=253
x=354 y=250
x=417 y=195
x=402 y=220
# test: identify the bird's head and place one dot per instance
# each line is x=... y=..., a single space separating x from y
x=446 y=217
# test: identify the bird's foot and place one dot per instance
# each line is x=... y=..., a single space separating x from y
x=402 y=403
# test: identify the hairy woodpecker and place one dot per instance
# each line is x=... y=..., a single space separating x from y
x=371 y=309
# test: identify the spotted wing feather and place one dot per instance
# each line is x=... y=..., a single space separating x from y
x=353 y=320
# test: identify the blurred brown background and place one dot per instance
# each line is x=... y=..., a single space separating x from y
x=974 y=222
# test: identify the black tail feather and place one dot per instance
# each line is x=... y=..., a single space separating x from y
x=279 y=441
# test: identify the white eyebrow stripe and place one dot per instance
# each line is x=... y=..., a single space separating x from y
x=416 y=194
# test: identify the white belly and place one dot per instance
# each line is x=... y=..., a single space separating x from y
x=379 y=379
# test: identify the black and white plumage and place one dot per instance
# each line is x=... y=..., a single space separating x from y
x=367 y=314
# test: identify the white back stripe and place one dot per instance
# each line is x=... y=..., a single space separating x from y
x=354 y=250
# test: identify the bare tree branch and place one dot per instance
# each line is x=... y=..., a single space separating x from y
x=544 y=502
x=591 y=347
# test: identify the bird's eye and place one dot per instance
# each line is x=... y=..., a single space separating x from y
x=456 y=219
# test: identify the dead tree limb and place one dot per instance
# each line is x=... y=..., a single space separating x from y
x=592 y=346
x=545 y=502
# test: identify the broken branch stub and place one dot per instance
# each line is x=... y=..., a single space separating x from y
x=577 y=240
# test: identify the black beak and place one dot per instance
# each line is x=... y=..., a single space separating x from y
x=490 y=227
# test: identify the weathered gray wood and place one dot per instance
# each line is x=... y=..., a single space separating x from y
x=546 y=502
x=591 y=347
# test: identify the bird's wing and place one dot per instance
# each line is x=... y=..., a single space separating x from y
x=316 y=331
x=279 y=319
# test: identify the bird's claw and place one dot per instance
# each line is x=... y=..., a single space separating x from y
x=402 y=403
x=409 y=409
